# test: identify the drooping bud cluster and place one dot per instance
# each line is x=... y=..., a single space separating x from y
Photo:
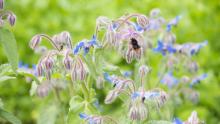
x=59 y=41
x=10 y=16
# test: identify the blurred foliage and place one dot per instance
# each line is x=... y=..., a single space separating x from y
x=200 y=21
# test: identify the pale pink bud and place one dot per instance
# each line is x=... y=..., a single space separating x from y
x=12 y=19
x=43 y=89
x=39 y=70
x=111 y=97
x=142 y=20
x=48 y=62
x=67 y=62
x=35 y=41
x=78 y=70
x=143 y=70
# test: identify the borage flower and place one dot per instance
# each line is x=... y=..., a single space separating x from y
x=169 y=80
x=96 y=119
x=164 y=48
x=138 y=110
x=85 y=45
x=197 y=79
x=172 y=23
x=190 y=48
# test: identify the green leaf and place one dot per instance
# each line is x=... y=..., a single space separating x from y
x=1 y=103
x=33 y=88
x=8 y=42
x=48 y=114
x=24 y=73
x=4 y=78
x=9 y=117
x=5 y=68
x=76 y=104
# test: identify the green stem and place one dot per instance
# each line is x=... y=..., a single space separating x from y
x=60 y=104
x=85 y=91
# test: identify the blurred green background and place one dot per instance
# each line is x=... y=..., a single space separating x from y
x=201 y=20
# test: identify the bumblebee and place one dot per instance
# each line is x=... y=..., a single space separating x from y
x=135 y=44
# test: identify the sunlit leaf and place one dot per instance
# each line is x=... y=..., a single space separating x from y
x=9 y=117
x=48 y=114
x=1 y=103
x=33 y=88
x=8 y=42
x=5 y=78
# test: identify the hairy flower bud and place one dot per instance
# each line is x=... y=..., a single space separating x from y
x=111 y=97
x=78 y=70
x=48 y=62
x=35 y=41
x=144 y=70
x=67 y=62
x=39 y=69
x=67 y=38
x=142 y=20
x=11 y=19
x=43 y=89
x=1 y=4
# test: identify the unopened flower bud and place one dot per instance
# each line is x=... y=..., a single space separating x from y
x=65 y=35
x=39 y=70
x=43 y=89
x=142 y=20
x=1 y=4
x=144 y=70
x=35 y=41
x=78 y=70
x=67 y=62
x=111 y=97
x=48 y=62
x=67 y=38
x=12 y=19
